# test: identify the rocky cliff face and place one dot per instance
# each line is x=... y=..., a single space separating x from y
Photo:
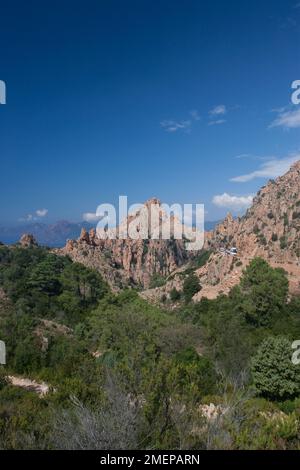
x=270 y=229
x=271 y=226
x=133 y=260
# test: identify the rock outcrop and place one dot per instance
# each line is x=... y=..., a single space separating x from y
x=27 y=240
x=270 y=229
x=41 y=388
x=133 y=260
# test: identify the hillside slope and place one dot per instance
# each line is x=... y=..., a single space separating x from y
x=270 y=229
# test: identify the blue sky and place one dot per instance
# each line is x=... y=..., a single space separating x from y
x=174 y=99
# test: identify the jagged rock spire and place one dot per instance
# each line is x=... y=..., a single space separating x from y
x=27 y=240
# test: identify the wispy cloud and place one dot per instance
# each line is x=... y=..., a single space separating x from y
x=174 y=126
x=215 y=115
x=27 y=218
x=270 y=169
x=217 y=122
x=279 y=110
x=184 y=125
x=195 y=115
x=91 y=217
x=287 y=119
x=292 y=20
x=250 y=156
x=218 y=110
x=233 y=202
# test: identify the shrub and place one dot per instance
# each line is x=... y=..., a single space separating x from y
x=190 y=287
x=283 y=242
x=157 y=281
x=264 y=290
x=274 y=374
x=175 y=295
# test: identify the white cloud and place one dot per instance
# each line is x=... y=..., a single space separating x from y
x=217 y=122
x=41 y=212
x=232 y=202
x=215 y=115
x=218 y=110
x=91 y=217
x=185 y=125
x=270 y=169
x=32 y=218
x=287 y=119
x=174 y=126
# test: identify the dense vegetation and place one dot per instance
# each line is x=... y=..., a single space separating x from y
x=125 y=374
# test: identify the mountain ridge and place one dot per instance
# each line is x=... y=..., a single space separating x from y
x=52 y=235
x=270 y=229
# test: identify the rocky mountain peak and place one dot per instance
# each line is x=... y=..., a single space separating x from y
x=151 y=221
x=152 y=201
x=136 y=250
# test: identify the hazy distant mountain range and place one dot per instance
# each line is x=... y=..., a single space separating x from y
x=53 y=235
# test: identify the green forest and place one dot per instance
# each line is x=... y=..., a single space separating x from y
x=124 y=374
